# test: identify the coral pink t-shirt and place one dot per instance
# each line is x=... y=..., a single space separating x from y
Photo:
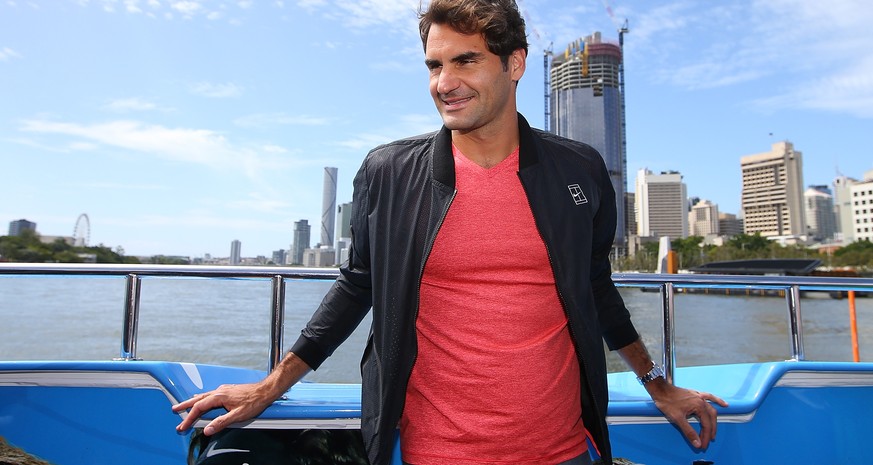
x=496 y=380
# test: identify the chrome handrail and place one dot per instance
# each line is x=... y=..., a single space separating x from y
x=667 y=284
x=791 y=285
x=135 y=273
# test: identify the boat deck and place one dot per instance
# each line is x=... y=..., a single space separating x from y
x=118 y=411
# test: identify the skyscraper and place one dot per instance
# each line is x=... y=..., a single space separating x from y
x=301 y=241
x=820 y=217
x=843 y=209
x=729 y=225
x=862 y=208
x=235 y=252
x=585 y=104
x=703 y=219
x=18 y=226
x=661 y=204
x=343 y=232
x=328 y=206
x=773 y=192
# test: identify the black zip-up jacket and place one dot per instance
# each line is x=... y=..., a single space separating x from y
x=402 y=193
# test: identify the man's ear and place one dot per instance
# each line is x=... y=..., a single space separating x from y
x=517 y=64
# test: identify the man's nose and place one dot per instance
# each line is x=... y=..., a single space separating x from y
x=447 y=81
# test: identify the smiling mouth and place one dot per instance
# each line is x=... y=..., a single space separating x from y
x=450 y=103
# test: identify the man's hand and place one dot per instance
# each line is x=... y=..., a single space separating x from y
x=679 y=404
x=242 y=402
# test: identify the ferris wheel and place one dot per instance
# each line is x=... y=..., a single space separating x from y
x=82 y=231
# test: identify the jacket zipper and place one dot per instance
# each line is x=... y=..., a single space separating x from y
x=573 y=337
x=418 y=289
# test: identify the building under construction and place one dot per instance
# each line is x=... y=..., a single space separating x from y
x=585 y=103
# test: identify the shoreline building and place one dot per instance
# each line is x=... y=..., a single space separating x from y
x=820 y=217
x=703 y=219
x=862 y=208
x=302 y=231
x=729 y=225
x=19 y=226
x=772 y=195
x=235 y=252
x=328 y=206
x=843 y=209
x=343 y=232
x=585 y=103
x=661 y=204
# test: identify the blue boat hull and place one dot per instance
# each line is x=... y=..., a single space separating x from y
x=116 y=412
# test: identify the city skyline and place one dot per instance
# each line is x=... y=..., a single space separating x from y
x=204 y=122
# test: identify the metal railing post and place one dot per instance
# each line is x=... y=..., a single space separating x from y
x=667 y=305
x=277 y=321
x=131 y=318
x=795 y=324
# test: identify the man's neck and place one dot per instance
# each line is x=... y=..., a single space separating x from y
x=487 y=148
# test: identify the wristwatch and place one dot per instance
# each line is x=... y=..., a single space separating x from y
x=657 y=371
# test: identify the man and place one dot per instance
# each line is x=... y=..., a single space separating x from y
x=483 y=252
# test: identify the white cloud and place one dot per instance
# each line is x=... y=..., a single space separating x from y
x=186 y=145
x=187 y=8
x=408 y=125
x=82 y=146
x=132 y=6
x=125 y=186
x=259 y=202
x=368 y=13
x=208 y=89
x=822 y=51
x=403 y=67
x=279 y=119
x=274 y=149
x=130 y=104
x=7 y=54
x=245 y=4
x=311 y=4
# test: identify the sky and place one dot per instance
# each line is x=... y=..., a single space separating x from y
x=179 y=126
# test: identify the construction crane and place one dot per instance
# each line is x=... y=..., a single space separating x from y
x=547 y=54
x=622 y=30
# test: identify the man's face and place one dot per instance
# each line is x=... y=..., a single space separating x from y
x=468 y=83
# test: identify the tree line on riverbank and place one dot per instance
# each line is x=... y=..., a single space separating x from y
x=691 y=252
x=28 y=248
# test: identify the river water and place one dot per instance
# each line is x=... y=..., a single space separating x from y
x=226 y=322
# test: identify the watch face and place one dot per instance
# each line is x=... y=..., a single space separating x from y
x=657 y=371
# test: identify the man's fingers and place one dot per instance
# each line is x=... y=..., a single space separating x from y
x=185 y=405
x=685 y=426
x=708 y=425
x=713 y=398
x=199 y=405
x=706 y=415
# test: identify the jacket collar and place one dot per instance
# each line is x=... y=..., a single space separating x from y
x=444 y=163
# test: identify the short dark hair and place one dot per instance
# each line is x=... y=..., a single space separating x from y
x=499 y=22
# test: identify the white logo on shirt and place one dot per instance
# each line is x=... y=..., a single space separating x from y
x=578 y=195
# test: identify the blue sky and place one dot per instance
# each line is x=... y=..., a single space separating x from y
x=181 y=125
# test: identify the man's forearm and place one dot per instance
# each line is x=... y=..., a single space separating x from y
x=637 y=357
x=289 y=371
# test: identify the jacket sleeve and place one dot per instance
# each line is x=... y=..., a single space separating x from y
x=613 y=316
x=350 y=297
